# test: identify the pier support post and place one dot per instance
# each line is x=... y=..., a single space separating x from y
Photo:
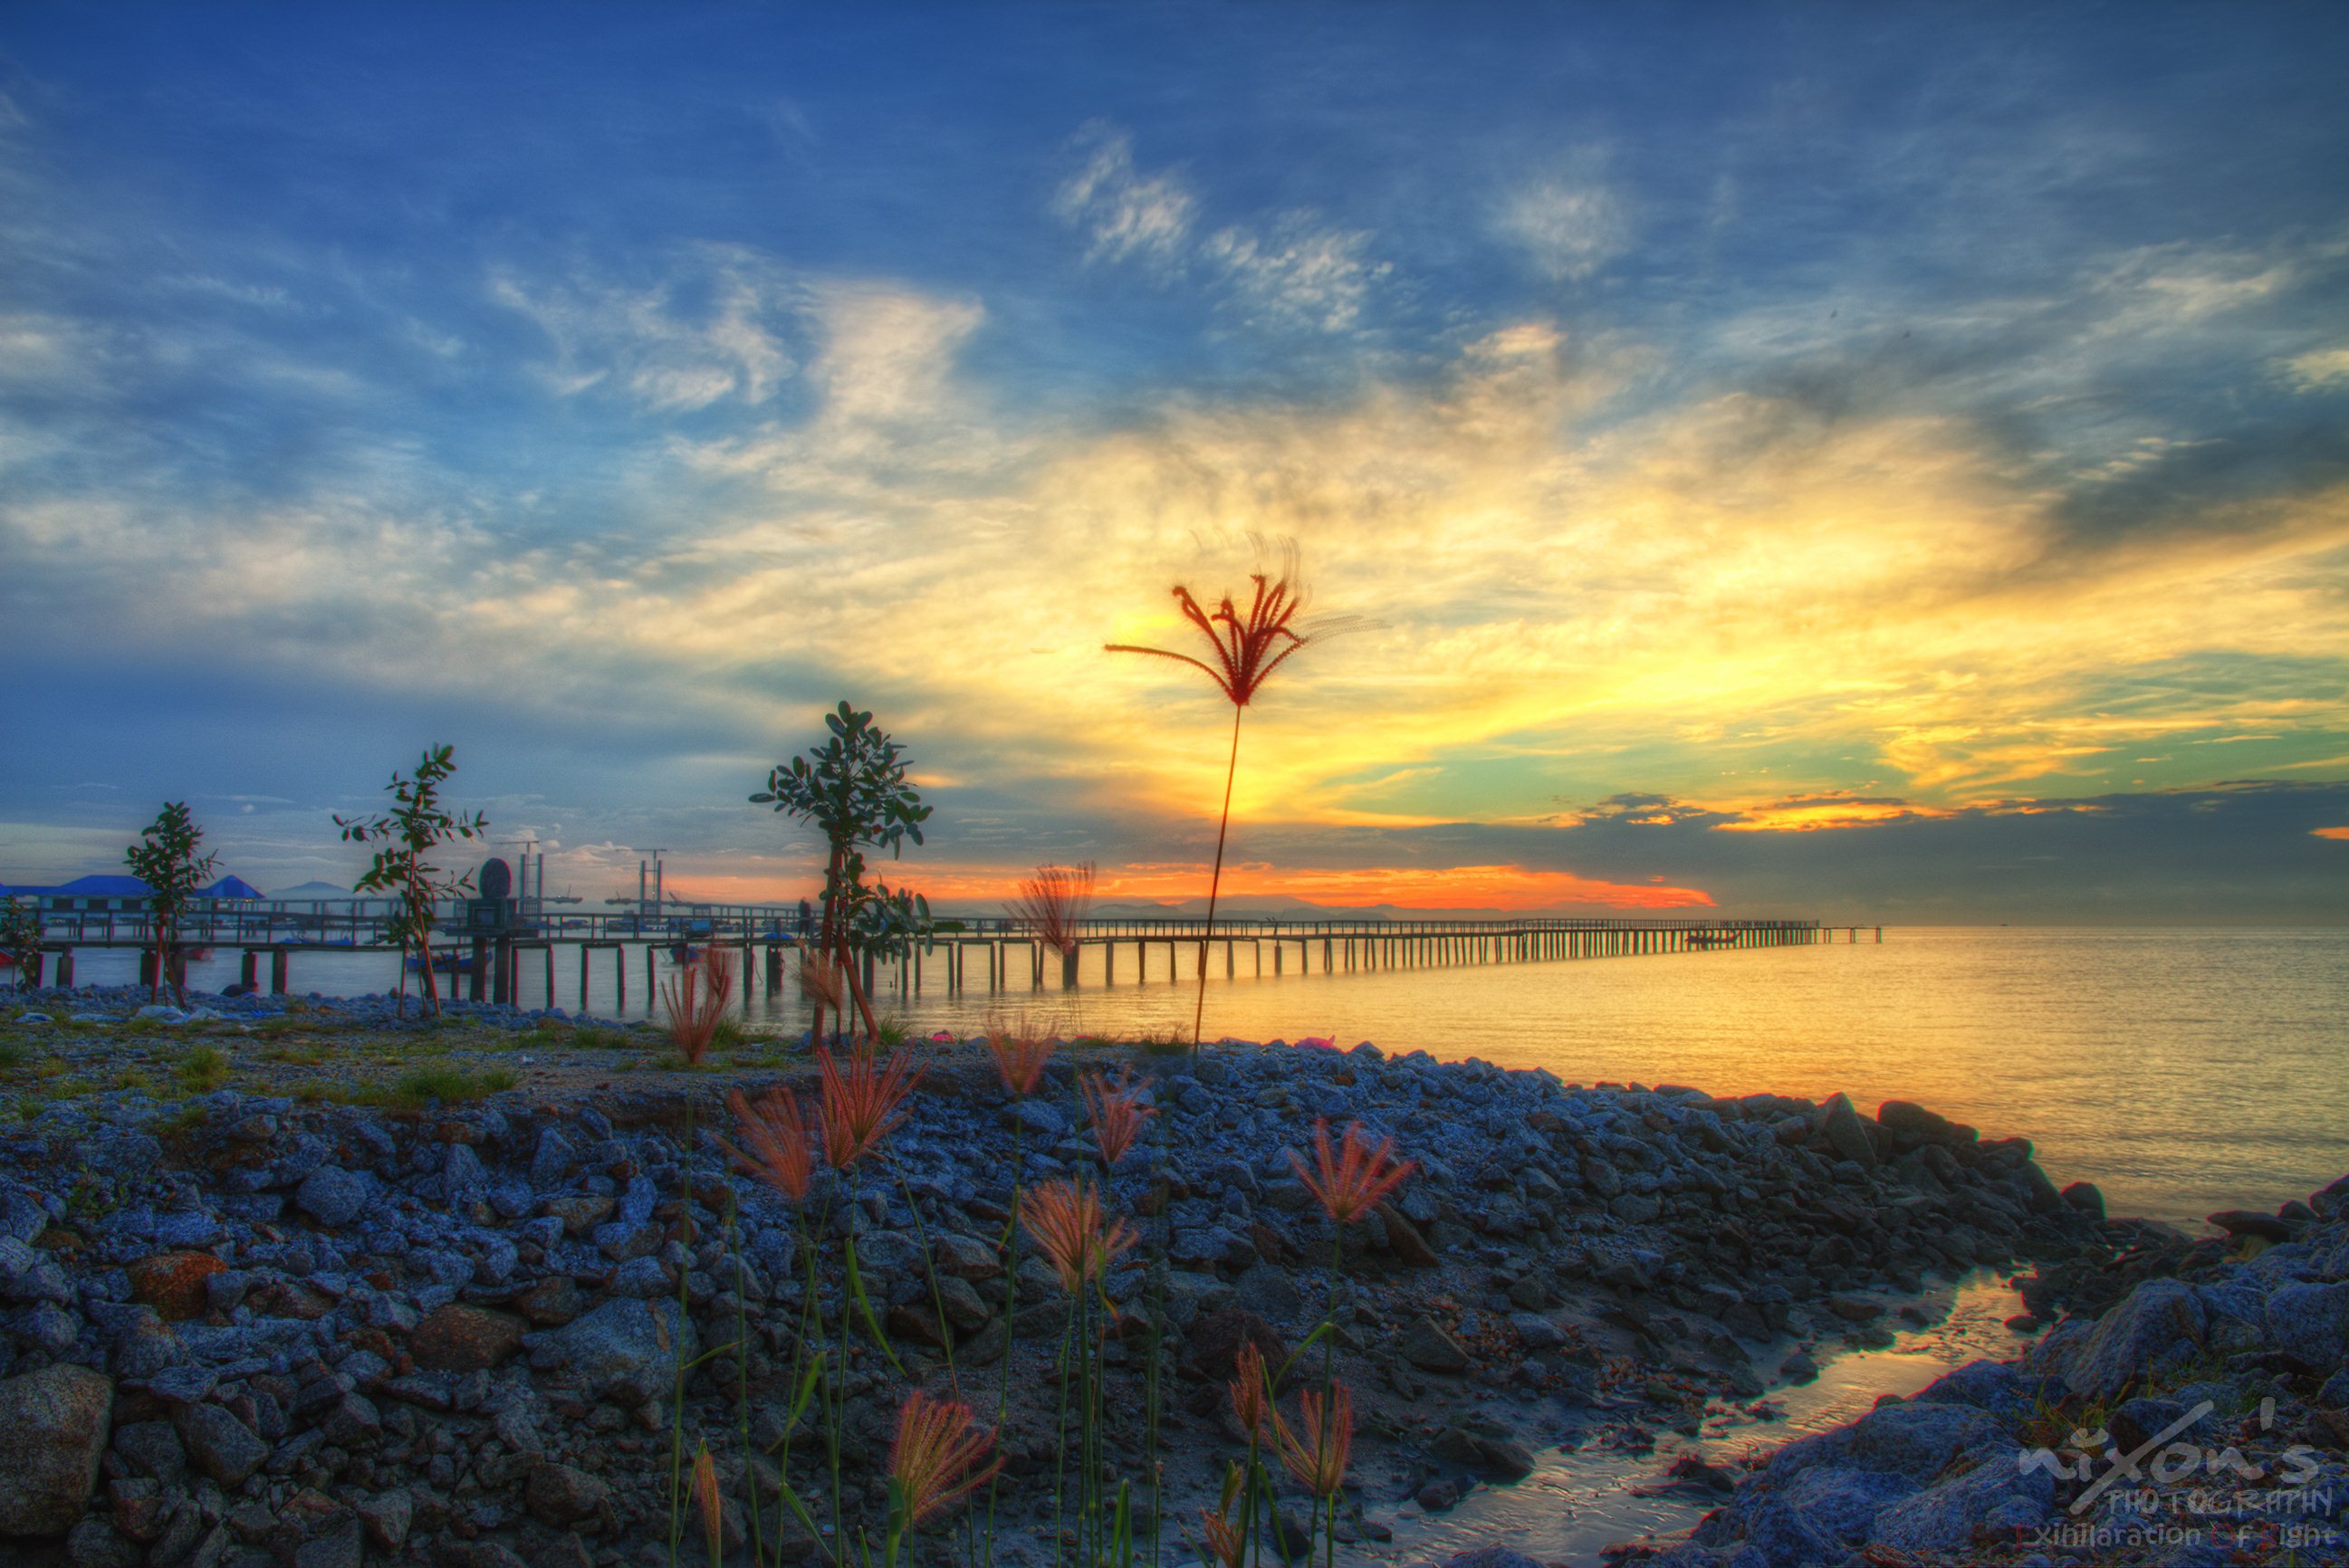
x=64 y=978
x=278 y=964
x=248 y=970
x=1069 y=968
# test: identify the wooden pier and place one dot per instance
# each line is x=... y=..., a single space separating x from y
x=995 y=954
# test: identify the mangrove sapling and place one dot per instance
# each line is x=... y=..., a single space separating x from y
x=852 y=790
x=20 y=939
x=414 y=827
x=1245 y=652
x=165 y=859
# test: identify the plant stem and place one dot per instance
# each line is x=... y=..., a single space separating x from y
x=1215 y=882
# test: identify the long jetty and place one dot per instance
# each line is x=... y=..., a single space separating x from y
x=998 y=954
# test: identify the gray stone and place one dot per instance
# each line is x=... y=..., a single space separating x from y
x=559 y=1495
x=1268 y=1292
x=1996 y=1498
x=337 y=1545
x=332 y=1196
x=1427 y=1346
x=2310 y=1323
x=1846 y=1132
x=95 y=1543
x=1039 y=1118
x=623 y=1351
x=388 y=1515
x=219 y=1445
x=53 y=1430
x=2133 y=1335
x=153 y=1448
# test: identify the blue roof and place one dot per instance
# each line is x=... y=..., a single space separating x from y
x=128 y=887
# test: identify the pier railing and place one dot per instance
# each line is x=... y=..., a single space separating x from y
x=1002 y=946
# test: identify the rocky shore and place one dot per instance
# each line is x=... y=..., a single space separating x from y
x=250 y=1320
x=2197 y=1420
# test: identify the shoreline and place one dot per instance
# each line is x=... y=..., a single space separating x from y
x=387 y=1280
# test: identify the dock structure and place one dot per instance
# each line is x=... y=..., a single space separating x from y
x=991 y=953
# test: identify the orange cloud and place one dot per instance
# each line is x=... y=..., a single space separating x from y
x=1811 y=815
x=2332 y=833
x=1503 y=887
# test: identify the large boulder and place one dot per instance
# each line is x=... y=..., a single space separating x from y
x=623 y=1351
x=53 y=1431
x=1846 y=1132
x=2310 y=1323
x=2141 y=1329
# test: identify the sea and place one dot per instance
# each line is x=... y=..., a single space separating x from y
x=2182 y=1071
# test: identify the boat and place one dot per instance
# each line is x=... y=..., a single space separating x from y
x=443 y=963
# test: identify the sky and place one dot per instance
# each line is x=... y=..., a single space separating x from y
x=1824 y=460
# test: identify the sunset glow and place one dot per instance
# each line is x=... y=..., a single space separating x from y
x=1842 y=539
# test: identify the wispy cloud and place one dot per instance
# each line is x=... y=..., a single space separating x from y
x=1293 y=271
x=1124 y=213
x=1568 y=228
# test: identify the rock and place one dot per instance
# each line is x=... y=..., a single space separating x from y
x=1427 y=1346
x=1214 y=1342
x=2241 y=1223
x=153 y=1448
x=579 y=1214
x=1910 y=1126
x=1404 y=1240
x=1437 y=1496
x=1841 y=1126
x=332 y=1196
x=1042 y=1123
x=552 y=1303
x=1484 y=1445
x=966 y=1309
x=336 y=1545
x=1798 y=1367
x=1535 y=1331
x=174 y=1283
x=965 y=1257
x=559 y=1495
x=1492 y=1557
x=95 y=1543
x=1994 y=1499
x=218 y=1444
x=387 y=1516
x=2310 y=1323
x=1268 y=1292
x=1854 y=1308
x=2136 y=1333
x=461 y=1338
x=2086 y=1197
x=53 y=1430
x=623 y=1351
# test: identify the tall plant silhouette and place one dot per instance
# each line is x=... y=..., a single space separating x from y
x=414 y=827
x=165 y=859
x=1247 y=650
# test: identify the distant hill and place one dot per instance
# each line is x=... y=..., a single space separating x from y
x=314 y=893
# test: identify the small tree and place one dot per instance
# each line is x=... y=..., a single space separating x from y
x=20 y=938
x=852 y=790
x=414 y=827
x=165 y=859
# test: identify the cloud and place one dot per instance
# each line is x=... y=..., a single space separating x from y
x=2316 y=368
x=1294 y=273
x=1300 y=274
x=1124 y=213
x=715 y=330
x=1568 y=228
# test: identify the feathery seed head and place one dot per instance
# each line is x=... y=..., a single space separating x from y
x=935 y=1457
x=1314 y=1450
x=860 y=1106
x=1065 y=1220
x=782 y=1145
x=1350 y=1182
x=1117 y=1113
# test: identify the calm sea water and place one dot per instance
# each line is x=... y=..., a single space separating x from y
x=2182 y=1071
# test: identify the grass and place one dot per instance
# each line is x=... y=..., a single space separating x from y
x=451 y=1085
x=202 y=1069
x=12 y=1055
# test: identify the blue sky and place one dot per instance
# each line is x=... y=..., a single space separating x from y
x=1845 y=426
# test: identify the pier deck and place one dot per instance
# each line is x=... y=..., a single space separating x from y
x=997 y=953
